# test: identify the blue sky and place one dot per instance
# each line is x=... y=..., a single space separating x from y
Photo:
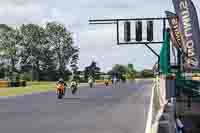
x=96 y=42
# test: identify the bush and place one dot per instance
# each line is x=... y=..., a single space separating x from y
x=147 y=73
x=23 y=83
x=14 y=84
x=82 y=80
x=26 y=76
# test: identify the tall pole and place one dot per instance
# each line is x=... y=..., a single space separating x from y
x=117 y=32
x=164 y=28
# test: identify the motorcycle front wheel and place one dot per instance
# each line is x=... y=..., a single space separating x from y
x=74 y=89
x=59 y=95
x=91 y=85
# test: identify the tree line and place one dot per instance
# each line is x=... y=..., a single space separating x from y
x=34 y=52
x=118 y=70
x=129 y=72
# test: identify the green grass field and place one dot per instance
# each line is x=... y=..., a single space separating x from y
x=32 y=87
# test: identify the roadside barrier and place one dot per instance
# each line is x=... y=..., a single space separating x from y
x=161 y=111
x=101 y=81
x=3 y=83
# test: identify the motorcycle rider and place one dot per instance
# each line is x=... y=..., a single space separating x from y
x=106 y=81
x=90 y=81
x=74 y=80
x=75 y=84
x=114 y=80
x=61 y=81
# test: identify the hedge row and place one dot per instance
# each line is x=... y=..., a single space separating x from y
x=17 y=84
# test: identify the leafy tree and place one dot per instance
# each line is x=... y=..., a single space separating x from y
x=131 y=72
x=118 y=70
x=45 y=52
x=130 y=67
x=74 y=62
x=74 y=67
x=61 y=43
x=92 y=70
x=123 y=70
x=146 y=73
x=5 y=28
x=48 y=66
x=3 y=70
x=34 y=39
x=10 y=40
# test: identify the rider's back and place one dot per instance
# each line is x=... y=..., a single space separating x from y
x=90 y=81
x=60 y=85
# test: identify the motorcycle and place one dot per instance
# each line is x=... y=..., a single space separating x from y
x=106 y=83
x=74 y=87
x=60 y=90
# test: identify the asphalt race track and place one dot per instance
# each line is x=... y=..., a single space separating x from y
x=114 y=109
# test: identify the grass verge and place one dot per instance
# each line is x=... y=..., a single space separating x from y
x=34 y=87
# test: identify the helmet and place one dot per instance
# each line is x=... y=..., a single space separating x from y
x=61 y=80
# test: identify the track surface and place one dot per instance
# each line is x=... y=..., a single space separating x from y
x=119 y=109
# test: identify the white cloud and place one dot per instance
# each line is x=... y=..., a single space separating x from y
x=12 y=14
